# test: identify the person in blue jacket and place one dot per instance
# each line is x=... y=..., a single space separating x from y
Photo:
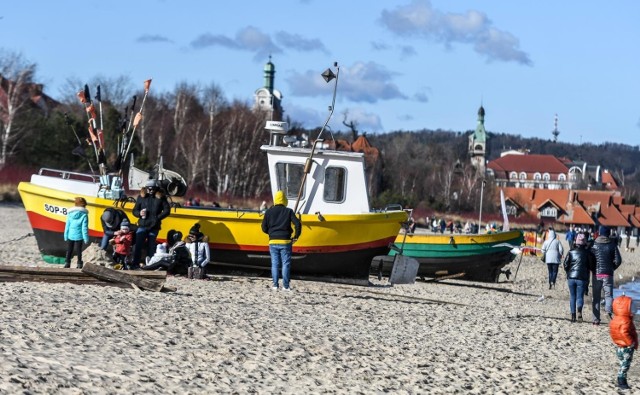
x=76 y=230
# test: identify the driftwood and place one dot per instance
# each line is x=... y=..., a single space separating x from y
x=76 y=276
x=119 y=276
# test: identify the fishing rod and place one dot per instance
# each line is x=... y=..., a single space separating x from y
x=79 y=150
x=138 y=117
x=328 y=75
x=85 y=98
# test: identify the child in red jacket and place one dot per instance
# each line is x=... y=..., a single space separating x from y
x=122 y=242
x=624 y=335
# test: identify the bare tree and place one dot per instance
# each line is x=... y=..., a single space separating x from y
x=352 y=125
x=16 y=79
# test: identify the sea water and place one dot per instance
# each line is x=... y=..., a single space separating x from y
x=632 y=290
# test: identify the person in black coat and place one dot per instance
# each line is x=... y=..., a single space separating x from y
x=151 y=208
x=110 y=220
x=607 y=260
x=577 y=264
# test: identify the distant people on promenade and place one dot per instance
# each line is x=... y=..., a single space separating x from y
x=624 y=335
x=151 y=208
x=607 y=260
x=552 y=251
x=577 y=265
x=570 y=236
x=76 y=231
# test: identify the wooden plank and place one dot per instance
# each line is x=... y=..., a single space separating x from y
x=53 y=271
x=122 y=276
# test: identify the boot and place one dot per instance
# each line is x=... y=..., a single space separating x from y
x=580 y=315
x=549 y=285
x=622 y=383
x=79 y=265
x=573 y=317
x=67 y=265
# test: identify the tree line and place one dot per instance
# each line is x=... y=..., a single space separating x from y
x=215 y=144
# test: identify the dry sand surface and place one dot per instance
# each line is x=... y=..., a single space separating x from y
x=235 y=335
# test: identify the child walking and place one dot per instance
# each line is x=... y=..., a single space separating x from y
x=76 y=230
x=624 y=335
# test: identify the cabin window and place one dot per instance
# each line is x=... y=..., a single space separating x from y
x=334 y=184
x=289 y=178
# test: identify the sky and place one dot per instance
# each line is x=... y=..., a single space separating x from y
x=404 y=65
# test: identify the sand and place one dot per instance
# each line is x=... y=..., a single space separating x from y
x=236 y=335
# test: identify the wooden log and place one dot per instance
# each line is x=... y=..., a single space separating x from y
x=42 y=271
x=120 y=276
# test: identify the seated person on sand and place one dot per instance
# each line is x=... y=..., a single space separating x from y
x=172 y=256
x=198 y=246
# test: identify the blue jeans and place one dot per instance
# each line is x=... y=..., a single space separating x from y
x=108 y=235
x=553 y=272
x=144 y=235
x=280 y=257
x=576 y=294
x=599 y=284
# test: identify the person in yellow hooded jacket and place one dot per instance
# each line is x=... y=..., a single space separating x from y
x=624 y=336
x=280 y=222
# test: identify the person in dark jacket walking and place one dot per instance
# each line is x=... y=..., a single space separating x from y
x=607 y=260
x=277 y=223
x=576 y=264
x=151 y=208
x=76 y=230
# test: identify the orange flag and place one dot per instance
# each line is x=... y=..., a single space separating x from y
x=91 y=110
x=147 y=84
x=82 y=98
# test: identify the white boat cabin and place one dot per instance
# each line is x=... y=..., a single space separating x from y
x=335 y=183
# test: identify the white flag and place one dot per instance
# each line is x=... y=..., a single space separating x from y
x=505 y=219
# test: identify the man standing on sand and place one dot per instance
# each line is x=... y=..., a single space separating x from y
x=607 y=258
x=151 y=208
x=277 y=223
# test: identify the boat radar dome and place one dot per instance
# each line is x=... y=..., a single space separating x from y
x=277 y=129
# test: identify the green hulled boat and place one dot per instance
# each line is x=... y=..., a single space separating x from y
x=475 y=257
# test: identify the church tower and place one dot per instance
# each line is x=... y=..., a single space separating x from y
x=268 y=98
x=478 y=144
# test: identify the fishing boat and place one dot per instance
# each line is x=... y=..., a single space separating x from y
x=474 y=257
x=341 y=233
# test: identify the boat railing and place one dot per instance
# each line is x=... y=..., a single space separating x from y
x=68 y=175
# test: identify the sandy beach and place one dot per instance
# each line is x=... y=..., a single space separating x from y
x=236 y=335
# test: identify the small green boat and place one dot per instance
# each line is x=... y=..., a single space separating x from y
x=474 y=257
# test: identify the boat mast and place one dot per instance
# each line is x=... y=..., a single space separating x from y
x=328 y=75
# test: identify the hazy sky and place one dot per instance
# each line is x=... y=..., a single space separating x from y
x=404 y=65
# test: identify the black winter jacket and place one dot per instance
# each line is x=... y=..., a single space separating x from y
x=607 y=256
x=157 y=209
x=578 y=262
x=277 y=223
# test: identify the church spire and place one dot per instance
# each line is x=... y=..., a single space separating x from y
x=555 y=132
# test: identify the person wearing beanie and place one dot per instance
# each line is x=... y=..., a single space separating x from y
x=198 y=245
x=576 y=264
x=76 y=231
x=110 y=220
x=122 y=244
x=607 y=260
x=277 y=222
x=623 y=334
x=552 y=251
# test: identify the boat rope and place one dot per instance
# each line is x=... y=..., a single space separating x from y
x=17 y=239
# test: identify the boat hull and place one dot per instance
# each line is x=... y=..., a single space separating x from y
x=469 y=257
x=337 y=248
